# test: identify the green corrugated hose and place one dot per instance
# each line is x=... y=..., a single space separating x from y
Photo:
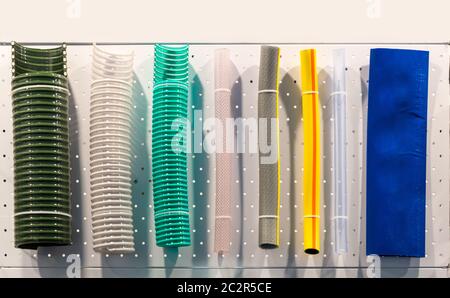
x=41 y=147
x=169 y=163
x=29 y=60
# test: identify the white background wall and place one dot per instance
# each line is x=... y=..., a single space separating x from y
x=226 y=21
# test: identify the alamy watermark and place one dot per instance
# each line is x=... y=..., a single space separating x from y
x=73 y=270
x=73 y=9
x=374 y=267
x=373 y=10
x=230 y=135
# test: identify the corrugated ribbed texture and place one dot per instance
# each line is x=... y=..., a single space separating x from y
x=169 y=163
x=40 y=95
x=110 y=152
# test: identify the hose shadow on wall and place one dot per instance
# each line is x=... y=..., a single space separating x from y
x=237 y=221
x=364 y=71
x=198 y=163
x=290 y=95
x=141 y=169
x=52 y=260
x=325 y=89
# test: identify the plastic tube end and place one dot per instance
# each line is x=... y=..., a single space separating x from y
x=268 y=245
x=311 y=251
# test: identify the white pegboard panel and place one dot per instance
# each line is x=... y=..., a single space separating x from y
x=245 y=257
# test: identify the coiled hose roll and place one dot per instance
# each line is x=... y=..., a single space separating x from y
x=169 y=163
x=110 y=152
x=269 y=171
x=40 y=95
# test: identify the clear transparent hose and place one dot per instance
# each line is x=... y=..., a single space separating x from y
x=339 y=98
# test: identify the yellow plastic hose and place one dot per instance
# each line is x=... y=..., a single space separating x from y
x=311 y=159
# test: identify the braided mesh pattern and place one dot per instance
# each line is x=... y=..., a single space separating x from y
x=222 y=70
x=268 y=173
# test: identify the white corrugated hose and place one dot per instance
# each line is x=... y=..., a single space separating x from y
x=110 y=151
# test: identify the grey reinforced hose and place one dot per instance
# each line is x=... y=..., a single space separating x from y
x=269 y=188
